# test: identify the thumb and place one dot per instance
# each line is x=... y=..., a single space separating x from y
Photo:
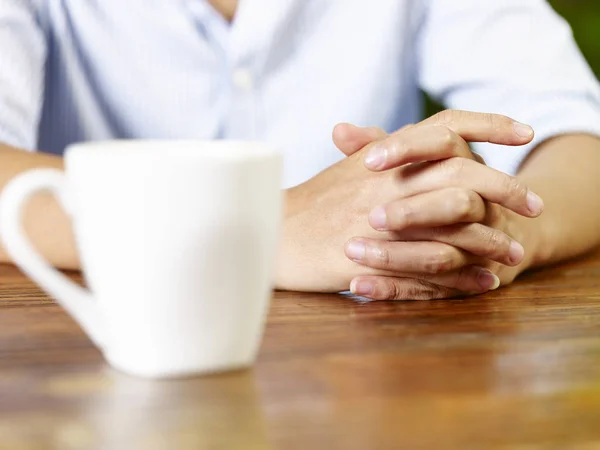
x=350 y=138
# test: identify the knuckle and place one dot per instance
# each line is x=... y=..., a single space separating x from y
x=403 y=148
x=430 y=291
x=447 y=139
x=514 y=188
x=441 y=261
x=402 y=215
x=492 y=120
x=398 y=290
x=404 y=128
x=392 y=290
x=503 y=121
x=497 y=122
x=408 y=213
x=454 y=167
x=397 y=147
x=379 y=131
x=445 y=117
x=492 y=241
x=465 y=203
x=500 y=218
x=494 y=216
x=381 y=256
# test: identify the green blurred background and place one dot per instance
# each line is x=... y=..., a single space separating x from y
x=584 y=17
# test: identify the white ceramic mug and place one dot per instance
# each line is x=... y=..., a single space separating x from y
x=177 y=242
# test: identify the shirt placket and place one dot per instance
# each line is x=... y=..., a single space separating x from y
x=242 y=48
x=247 y=33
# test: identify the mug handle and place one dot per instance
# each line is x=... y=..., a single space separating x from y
x=77 y=301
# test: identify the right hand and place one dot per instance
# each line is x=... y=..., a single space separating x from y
x=333 y=207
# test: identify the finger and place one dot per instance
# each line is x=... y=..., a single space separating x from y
x=393 y=288
x=350 y=138
x=416 y=144
x=430 y=258
x=452 y=127
x=493 y=185
x=431 y=209
x=483 y=127
x=468 y=280
x=480 y=240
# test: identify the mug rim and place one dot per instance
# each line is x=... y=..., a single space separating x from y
x=220 y=149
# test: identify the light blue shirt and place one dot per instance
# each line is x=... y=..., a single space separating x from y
x=285 y=71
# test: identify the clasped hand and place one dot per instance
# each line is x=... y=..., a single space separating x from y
x=410 y=215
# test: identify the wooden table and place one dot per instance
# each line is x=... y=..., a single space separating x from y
x=518 y=368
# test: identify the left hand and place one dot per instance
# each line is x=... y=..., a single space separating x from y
x=444 y=200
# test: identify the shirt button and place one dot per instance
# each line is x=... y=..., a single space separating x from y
x=243 y=79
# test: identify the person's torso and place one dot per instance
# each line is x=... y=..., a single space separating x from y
x=285 y=71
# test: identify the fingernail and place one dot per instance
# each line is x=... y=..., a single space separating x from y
x=535 y=203
x=487 y=280
x=356 y=250
x=522 y=130
x=375 y=158
x=361 y=287
x=378 y=218
x=516 y=252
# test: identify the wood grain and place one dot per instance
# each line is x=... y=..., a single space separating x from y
x=518 y=368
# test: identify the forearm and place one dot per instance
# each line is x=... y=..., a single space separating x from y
x=565 y=172
x=46 y=224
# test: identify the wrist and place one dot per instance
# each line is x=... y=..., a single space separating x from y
x=287 y=253
x=309 y=258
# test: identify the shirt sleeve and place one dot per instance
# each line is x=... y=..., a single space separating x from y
x=22 y=60
x=512 y=57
